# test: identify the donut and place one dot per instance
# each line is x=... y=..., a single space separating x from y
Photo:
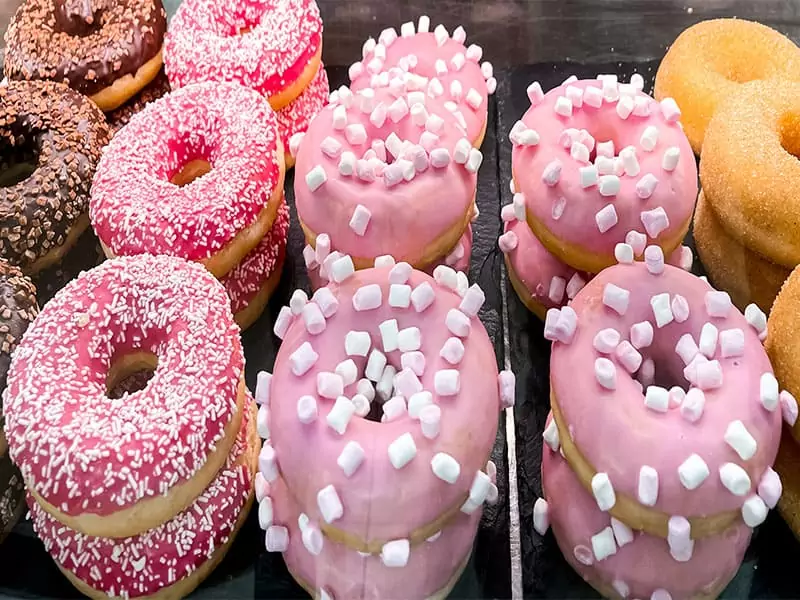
x=621 y=563
x=435 y=387
x=52 y=139
x=643 y=180
x=747 y=276
x=787 y=465
x=680 y=364
x=120 y=117
x=250 y=284
x=118 y=467
x=709 y=62
x=215 y=219
x=296 y=116
x=12 y=496
x=108 y=51
x=380 y=178
x=271 y=46
x=756 y=130
x=436 y=62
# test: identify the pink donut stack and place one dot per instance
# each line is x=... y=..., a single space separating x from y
x=670 y=431
x=381 y=415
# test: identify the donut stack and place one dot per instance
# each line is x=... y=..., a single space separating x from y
x=657 y=458
x=140 y=493
x=271 y=46
x=381 y=413
x=599 y=168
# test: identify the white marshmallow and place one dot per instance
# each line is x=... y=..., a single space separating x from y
x=649 y=138
x=365 y=387
x=302 y=359
x=277 y=539
x=409 y=339
x=603 y=492
x=654 y=259
x=606 y=373
x=351 y=457
x=474 y=98
x=655 y=221
x=735 y=479
x=330 y=385
x=693 y=405
x=580 y=153
x=446 y=276
x=402 y=451
x=263 y=383
x=406 y=383
x=603 y=544
x=327 y=302
x=430 y=418
x=662 y=310
x=680 y=308
x=718 y=304
x=341 y=413
x=417 y=402
x=389 y=332
x=385 y=385
x=623 y=253
x=670 y=110
x=671 y=158
x=535 y=93
x=551 y=437
x=754 y=511
x=348 y=371
x=625 y=107
x=297 y=302
x=306 y=409
x=395 y=554
x=575 y=95
x=709 y=335
x=447 y=382
x=788 y=408
x=606 y=217
x=770 y=488
x=313 y=539
x=347 y=163
x=756 y=318
x=265 y=512
x=628 y=357
x=606 y=340
x=622 y=533
x=414 y=361
x=630 y=163
x=445 y=467
x=557 y=287
x=268 y=463
x=452 y=350
x=394 y=408
x=637 y=241
x=738 y=438
x=342 y=269
x=541 y=520
x=316 y=177
x=357 y=343
x=769 y=393
x=563 y=106
x=686 y=348
x=731 y=342
x=648 y=486
x=330 y=506
x=362 y=403
x=339 y=118
x=709 y=375
x=507 y=242
x=331 y=147
x=588 y=176
x=441 y=35
x=422 y=296
x=575 y=284
x=368 y=297
x=656 y=398
x=692 y=472
x=608 y=185
x=507 y=383
x=458 y=323
x=641 y=334
x=593 y=96
x=458 y=61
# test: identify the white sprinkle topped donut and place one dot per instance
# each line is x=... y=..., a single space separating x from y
x=215 y=219
x=676 y=411
x=117 y=467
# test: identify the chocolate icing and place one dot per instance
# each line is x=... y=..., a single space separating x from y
x=12 y=495
x=67 y=132
x=87 y=44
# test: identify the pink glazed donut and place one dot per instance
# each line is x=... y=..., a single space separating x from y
x=438 y=63
x=596 y=160
x=385 y=173
x=648 y=449
x=294 y=119
x=396 y=334
x=622 y=563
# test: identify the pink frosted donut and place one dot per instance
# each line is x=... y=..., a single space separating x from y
x=640 y=565
x=271 y=46
x=596 y=160
x=115 y=468
x=385 y=173
x=397 y=343
x=294 y=119
x=707 y=382
x=219 y=217
x=438 y=63
x=171 y=553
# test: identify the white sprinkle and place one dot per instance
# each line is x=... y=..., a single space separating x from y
x=693 y=472
x=445 y=467
x=769 y=394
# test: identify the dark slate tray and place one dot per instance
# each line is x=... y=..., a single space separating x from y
x=767 y=569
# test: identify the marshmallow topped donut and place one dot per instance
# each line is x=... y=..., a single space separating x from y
x=271 y=46
x=621 y=563
x=117 y=467
x=215 y=219
x=438 y=63
x=396 y=332
x=595 y=160
x=385 y=173
x=295 y=118
x=666 y=358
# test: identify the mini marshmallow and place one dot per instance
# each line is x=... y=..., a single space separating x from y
x=394 y=408
x=630 y=163
x=398 y=110
x=366 y=97
x=575 y=95
x=671 y=158
x=647 y=374
x=628 y=357
x=375 y=365
x=368 y=47
x=474 y=160
x=355 y=134
x=605 y=166
x=313 y=318
x=575 y=284
x=655 y=221
x=440 y=158
x=361 y=403
x=461 y=151
x=656 y=398
x=662 y=310
x=395 y=554
x=603 y=492
x=603 y=544
x=608 y=185
x=347 y=163
x=348 y=371
x=267 y=463
x=718 y=304
x=406 y=383
x=593 y=96
x=649 y=138
x=637 y=241
x=756 y=318
x=435 y=88
x=616 y=298
x=385 y=385
x=458 y=323
x=654 y=259
x=606 y=217
x=551 y=437
x=686 y=348
x=769 y=393
x=330 y=385
x=327 y=302
x=452 y=351
x=619 y=586
x=302 y=359
x=414 y=361
x=709 y=375
x=731 y=343
x=507 y=382
x=563 y=106
x=680 y=308
x=625 y=107
x=310 y=257
x=339 y=118
x=735 y=479
x=330 y=506
x=637 y=81
x=541 y=521
x=770 y=488
x=622 y=533
x=262 y=488
x=605 y=149
x=606 y=340
x=458 y=61
x=325 y=268
x=588 y=176
x=422 y=296
x=446 y=276
x=754 y=511
x=709 y=335
x=368 y=297
x=342 y=269
x=447 y=382
x=441 y=35
x=306 y=409
x=623 y=253
x=670 y=110
x=365 y=388
x=351 y=457
x=402 y=450
x=641 y=334
x=429 y=418
x=535 y=93
x=508 y=241
x=277 y=539
x=606 y=373
x=693 y=404
x=357 y=343
x=692 y=472
x=263 y=382
x=557 y=288
x=580 y=153
x=298 y=301
x=445 y=467
x=417 y=402
x=313 y=540
x=788 y=408
x=474 y=98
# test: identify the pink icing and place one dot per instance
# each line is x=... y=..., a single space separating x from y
x=424 y=47
x=86 y=453
x=145 y=564
x=618 y=434
x=135 y=209
x=297 y=115
x=205 y=43
x=566 y=209
x=645 y=564
x=247 y=278
x=343 y=573
x=381 y=502
x=405 y=218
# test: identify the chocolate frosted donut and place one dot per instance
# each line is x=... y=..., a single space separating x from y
x=50 y=141
x=105 y=49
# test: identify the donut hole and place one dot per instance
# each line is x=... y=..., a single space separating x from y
x=194 y=169
x=664 y=371
x=789 y=132
x=18 y=160
x=130 y=373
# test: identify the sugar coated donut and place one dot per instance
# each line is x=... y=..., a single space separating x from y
x=436 y=387
x=215 y=219
x=117 y=467
x=168 y=561
x=787 y=465
x=105 y=50
x=682 y=363
x=251 y=283
x=386 y=174
x=436 y=62
x=120 y=117
x=710 y=60
x=596 y=160
x=746 y=275
x=756 y=129
x=52 y=138
x=271 y=46
x=621 y=563
x=296 y=116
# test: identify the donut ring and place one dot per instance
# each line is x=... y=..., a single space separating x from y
x=710 y=60
x=108 y=51
x=580 y=211
x=271 y=46
x=745 y=275
x=375 y=195
x=756 y=208
x=128 y=313
x=295 y=117
x=216 y=219
x=121 y=116
x=733 y=424
x=62 y=133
